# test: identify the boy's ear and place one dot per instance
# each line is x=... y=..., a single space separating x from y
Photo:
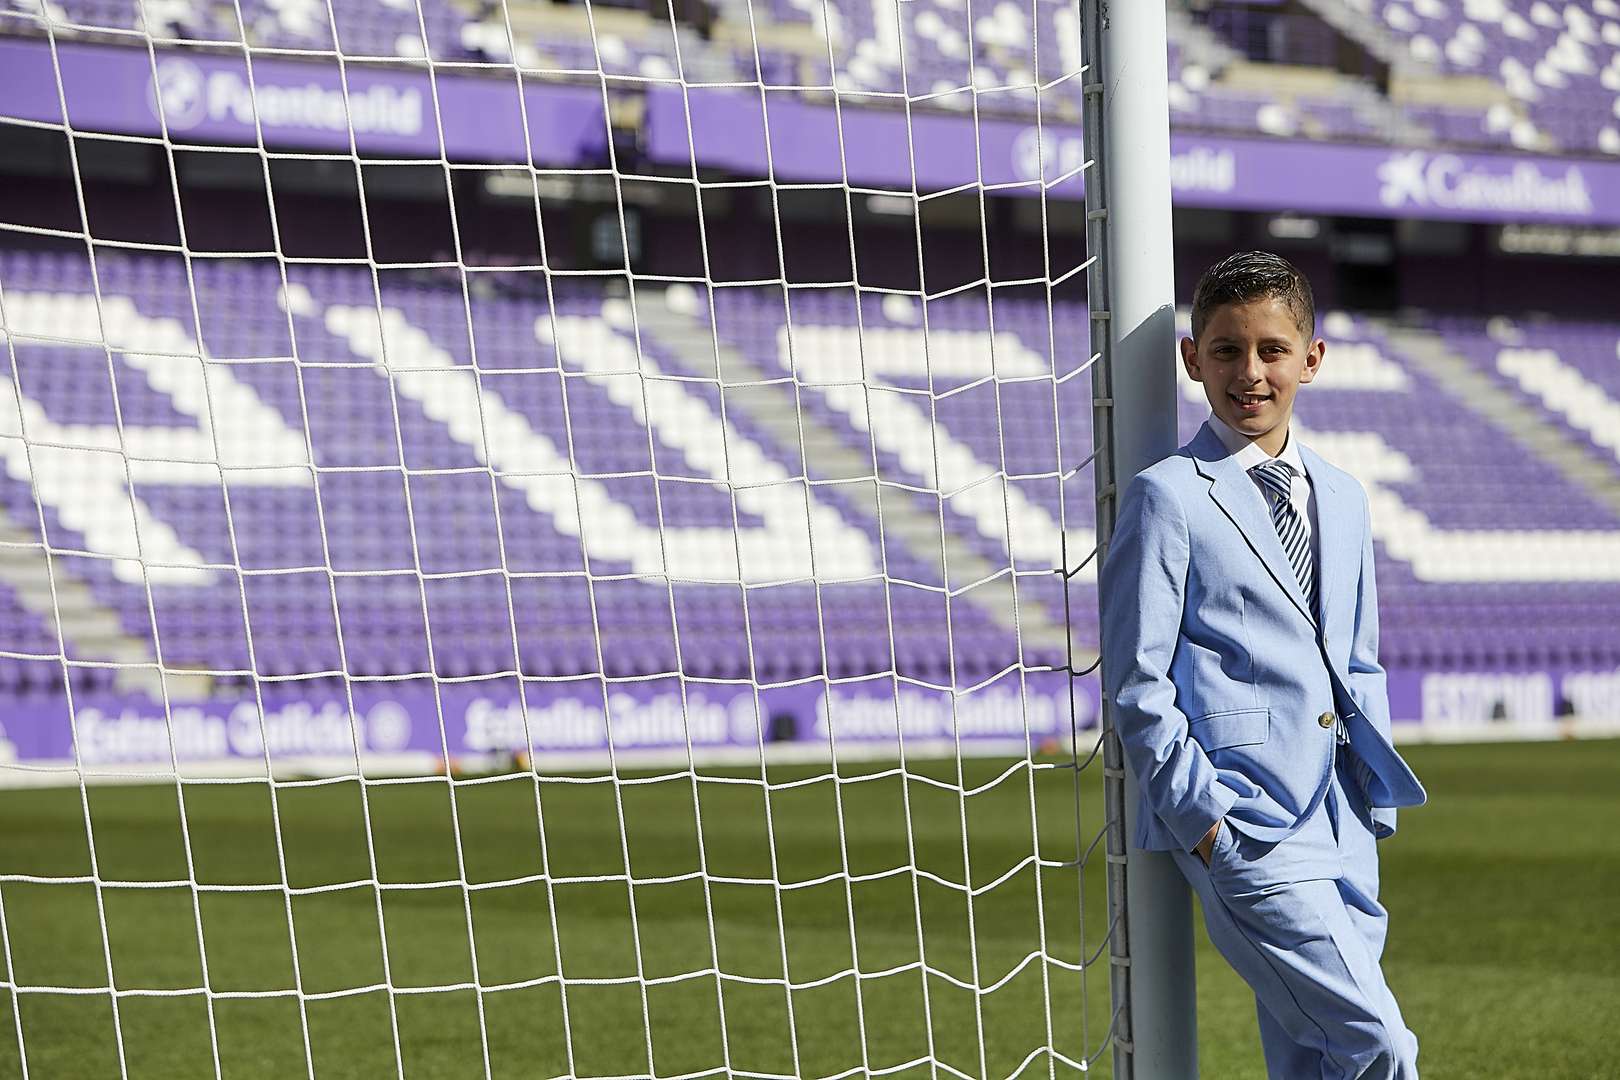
x=1189 y=359
x=1313 y=360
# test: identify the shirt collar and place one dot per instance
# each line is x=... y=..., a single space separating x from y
x=1248 y=452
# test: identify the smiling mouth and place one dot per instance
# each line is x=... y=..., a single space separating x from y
x=1250 y=401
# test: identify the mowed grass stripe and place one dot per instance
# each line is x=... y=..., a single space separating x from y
x=1505 y=944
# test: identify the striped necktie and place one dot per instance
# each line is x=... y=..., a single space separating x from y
x=1276 y=479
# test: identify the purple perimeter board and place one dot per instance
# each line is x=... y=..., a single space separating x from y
x=563 y=716
x=1233 y=173
x=208 y=99
x=566 y=716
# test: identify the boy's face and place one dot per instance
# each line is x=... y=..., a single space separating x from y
x=1251 y=359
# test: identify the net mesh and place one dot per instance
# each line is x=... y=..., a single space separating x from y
x=573 y=664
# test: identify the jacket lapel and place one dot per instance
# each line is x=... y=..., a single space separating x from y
x=1337 y=542
x=1241 y=501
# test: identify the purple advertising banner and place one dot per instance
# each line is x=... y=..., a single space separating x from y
x=565 y=718
x=562 y=717
x=727 y=129
x=210 y=99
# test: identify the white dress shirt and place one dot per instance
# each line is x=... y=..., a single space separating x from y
x=1300 y=493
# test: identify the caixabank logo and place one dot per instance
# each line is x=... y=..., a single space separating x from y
x=1450 y=182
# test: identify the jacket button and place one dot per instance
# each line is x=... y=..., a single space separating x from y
x=1326 y=719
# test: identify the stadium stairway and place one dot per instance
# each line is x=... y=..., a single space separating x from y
x=1205 y=55
x=1578 y=462
x=48 y=589
x=774 y=407
x=1364 y=27
x=1198 y=44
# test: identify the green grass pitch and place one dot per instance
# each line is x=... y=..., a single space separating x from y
x=1505 y=943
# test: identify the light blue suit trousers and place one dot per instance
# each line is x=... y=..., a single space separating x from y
x=1300 y=921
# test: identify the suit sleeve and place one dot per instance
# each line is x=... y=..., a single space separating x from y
x=1367 y=683
x=1143 y=589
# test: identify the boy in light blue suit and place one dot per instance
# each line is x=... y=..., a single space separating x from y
x=1240 y=631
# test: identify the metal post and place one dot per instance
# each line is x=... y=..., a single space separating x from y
x=1131 y=294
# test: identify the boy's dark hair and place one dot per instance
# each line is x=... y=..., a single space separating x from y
x=1249 y=276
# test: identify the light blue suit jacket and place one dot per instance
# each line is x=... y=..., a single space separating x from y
x=1212 y=658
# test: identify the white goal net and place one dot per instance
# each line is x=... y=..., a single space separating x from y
x=547 y=540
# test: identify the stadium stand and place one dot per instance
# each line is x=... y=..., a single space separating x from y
x=1505 y=74
x=273 y=525
x=558 y=363
x=1452 y=545
x=1557 y=65
x=1568 y=370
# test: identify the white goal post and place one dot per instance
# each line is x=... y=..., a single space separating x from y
x=1133 y=308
